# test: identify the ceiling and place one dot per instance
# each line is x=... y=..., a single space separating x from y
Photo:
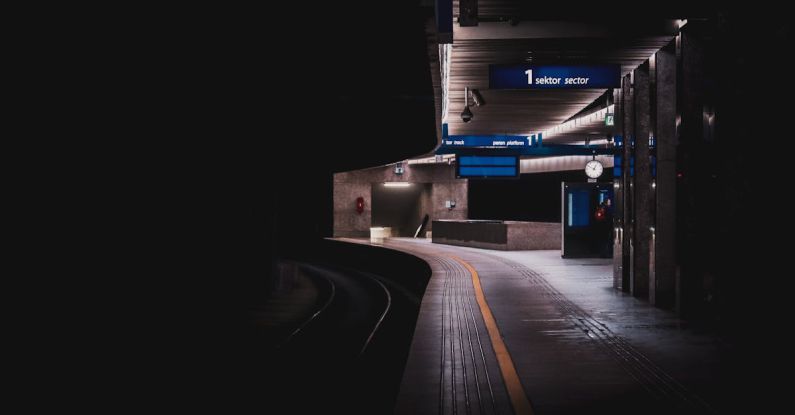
x=524 y=112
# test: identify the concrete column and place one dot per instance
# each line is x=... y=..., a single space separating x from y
x=642 y=184
x=618 y=202
x=652 y=201
x=664 y=272
x=689 y=284
x=626 y=181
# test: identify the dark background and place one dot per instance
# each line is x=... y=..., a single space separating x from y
x=399 y=208
x=533 y=197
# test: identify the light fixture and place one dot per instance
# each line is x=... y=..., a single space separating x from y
x=468 y=13
x=397 y=184
x=477 y=98
x=445 y=59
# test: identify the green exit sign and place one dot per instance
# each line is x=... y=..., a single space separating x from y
x=609 y=120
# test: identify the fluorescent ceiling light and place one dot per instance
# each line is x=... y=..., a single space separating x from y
x=397 y=184
x=445 y=61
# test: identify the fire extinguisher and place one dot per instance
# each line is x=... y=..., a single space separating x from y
x=359 y=205
x=600 y=213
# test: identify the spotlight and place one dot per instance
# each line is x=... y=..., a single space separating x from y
x=477 y=98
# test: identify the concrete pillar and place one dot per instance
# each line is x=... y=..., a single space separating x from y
x=642 y=184
x=689 y=285
x=652 y=200
x=627 y=132
x=664 y=271
x=618 y=199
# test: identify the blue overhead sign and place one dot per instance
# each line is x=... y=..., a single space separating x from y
x=487 y=141
x=487 y=166
x=554 y=76
x=513 y=145
x=487 y=161
x=543 y=151
x=454 y=143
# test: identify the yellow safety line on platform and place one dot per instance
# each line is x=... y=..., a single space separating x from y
x=521 y=405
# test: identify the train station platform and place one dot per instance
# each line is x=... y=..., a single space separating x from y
x=531 y=332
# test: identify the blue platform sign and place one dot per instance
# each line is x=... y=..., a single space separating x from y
x=487 y=141
x=554 y=76
x=487 y=166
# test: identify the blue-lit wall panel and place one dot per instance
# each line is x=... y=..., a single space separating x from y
x=490 y=171
x=487 y=166
x=487 y=161
x=579 y=208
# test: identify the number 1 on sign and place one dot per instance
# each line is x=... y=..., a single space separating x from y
x=529 y=73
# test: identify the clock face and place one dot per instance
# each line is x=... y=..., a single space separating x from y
x=593 y=169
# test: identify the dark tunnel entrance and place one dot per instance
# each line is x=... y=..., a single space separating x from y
x=400 y=206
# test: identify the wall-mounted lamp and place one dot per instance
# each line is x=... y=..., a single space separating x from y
x=397 y=184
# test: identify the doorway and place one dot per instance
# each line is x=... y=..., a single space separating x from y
x=587 y=213
x=402 y=207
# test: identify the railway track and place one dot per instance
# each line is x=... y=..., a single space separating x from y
x=351 y=351
x=350 y=318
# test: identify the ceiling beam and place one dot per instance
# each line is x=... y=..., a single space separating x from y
x=561 y=30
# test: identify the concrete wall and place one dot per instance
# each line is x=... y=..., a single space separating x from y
x=505 y=236
x=533 y=235
x=350 y=185
x=347 y=221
